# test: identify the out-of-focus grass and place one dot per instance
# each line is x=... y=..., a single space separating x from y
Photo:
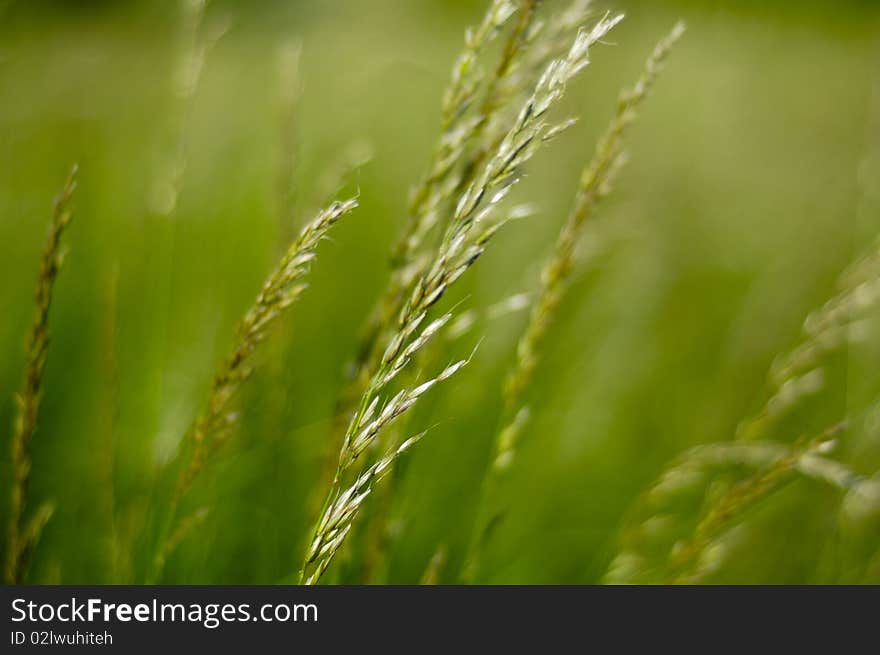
x=752 y=183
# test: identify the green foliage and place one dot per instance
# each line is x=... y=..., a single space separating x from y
x=629 y=407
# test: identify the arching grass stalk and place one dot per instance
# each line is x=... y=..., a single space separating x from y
x=427 y=199
x=457 y=128
x=382 y=526
x=470 y=132
x=474 y=222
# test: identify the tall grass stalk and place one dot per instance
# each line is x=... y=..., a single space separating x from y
x=426 y=202
x=383 y=526
x=451 y=168
x=479 y=138
x=474 y=222
x=595 y=183
x=23 y=534
x=283 y=288
x=472 y=129
x=470 y=132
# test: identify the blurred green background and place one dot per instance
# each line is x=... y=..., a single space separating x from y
x=753 y=182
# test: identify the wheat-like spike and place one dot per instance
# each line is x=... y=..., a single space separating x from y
x=656 y=542
x=519 y=40
x=472 y=225
x=491 y=120
x=380 y=528
x=447 y=175
x=476 y=205
x=529 y=49
x=282 y=288
x=465 y=77
x=534 y=44
x=475 y=220
x=338 y=516
x=596 y=182
x=439 y=182
x=21 y=537
x=458 y=129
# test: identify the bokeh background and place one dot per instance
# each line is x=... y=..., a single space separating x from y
x=752 y=184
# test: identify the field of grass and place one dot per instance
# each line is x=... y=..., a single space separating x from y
x=206 y=141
